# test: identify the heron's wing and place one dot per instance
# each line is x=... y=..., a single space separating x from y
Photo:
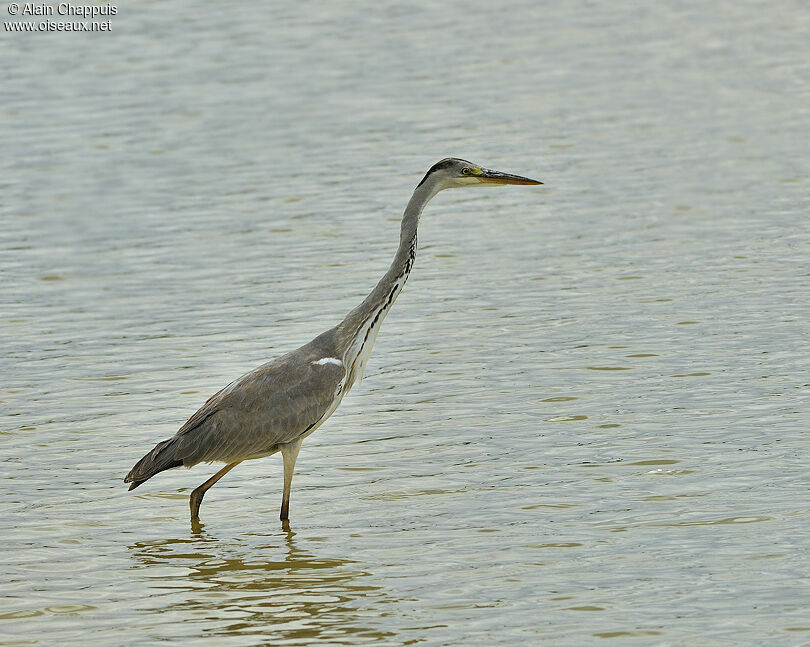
x=272 y=405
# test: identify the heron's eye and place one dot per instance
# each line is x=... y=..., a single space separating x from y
x=466 y=170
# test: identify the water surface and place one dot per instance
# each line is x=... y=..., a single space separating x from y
x=584 y=421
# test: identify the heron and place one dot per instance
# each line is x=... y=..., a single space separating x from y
x=274 y=407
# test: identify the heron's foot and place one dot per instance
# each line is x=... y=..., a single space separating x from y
x=197 y=494
x=196 y=526
x=194 y=502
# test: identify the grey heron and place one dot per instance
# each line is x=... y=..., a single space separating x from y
x=274 y=407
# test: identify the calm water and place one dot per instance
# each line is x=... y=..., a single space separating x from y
x=585 y=420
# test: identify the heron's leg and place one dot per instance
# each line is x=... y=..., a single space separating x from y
x=197 y=495
x=289 y=453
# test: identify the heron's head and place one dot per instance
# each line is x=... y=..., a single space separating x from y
x=452 y=173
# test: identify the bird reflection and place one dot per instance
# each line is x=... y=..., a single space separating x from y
x=260 y=583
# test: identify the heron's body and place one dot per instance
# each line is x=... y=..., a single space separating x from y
x=275 y=406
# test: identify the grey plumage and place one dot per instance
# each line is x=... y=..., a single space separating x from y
x=250 y=418
x=274 y=407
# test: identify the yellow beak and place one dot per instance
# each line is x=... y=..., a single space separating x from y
x=496 y=177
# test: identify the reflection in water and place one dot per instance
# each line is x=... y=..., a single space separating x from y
x=230 y=589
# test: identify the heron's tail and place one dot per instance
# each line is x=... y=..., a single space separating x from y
x=162 y=457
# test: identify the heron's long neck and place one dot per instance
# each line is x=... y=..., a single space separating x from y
x=359 y=328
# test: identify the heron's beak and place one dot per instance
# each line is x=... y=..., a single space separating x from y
x=496 y=177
